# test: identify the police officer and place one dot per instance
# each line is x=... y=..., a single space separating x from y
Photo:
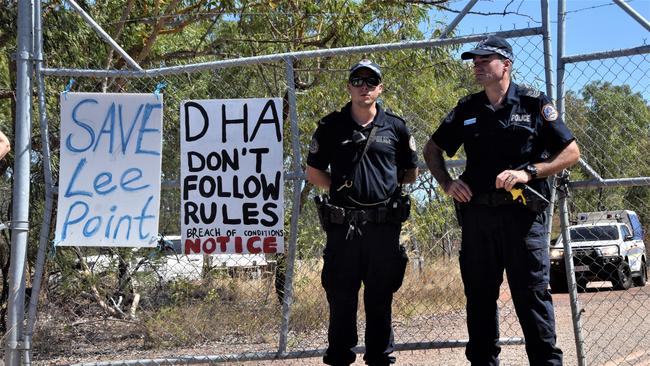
x=512 y=135
x=370 y=153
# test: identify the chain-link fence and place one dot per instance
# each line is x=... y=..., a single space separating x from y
x=167 y=303
x=119 y=304
x=607 y=108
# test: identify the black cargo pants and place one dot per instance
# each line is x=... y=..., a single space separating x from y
x=376 y=259
x=512 y=238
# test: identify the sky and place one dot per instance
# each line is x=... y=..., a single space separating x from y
x=591 y=26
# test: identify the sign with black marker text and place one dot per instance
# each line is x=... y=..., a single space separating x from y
x=232 y=187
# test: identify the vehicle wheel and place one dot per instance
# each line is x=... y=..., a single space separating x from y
x=558 y=283
x=622 y=277
x=643 y=276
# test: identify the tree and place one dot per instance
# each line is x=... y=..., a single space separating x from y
x=612 y=126
x=421 y=84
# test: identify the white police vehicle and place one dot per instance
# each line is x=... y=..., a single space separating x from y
x=606 y=246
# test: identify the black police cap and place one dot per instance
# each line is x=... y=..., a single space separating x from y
x=366 y=64
x=490 y=45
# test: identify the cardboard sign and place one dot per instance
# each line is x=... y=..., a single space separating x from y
x=232 y=190
x=109 y=178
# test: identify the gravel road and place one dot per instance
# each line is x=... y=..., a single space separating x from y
x=616 y=329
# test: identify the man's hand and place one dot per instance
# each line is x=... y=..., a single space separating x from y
x=459 y=190
x=508 y=178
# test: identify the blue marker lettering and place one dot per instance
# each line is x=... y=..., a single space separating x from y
x=128 y=178
x=88 y=232
x=110 y=221
x=77 y=170
x=126 y=218
x=67 y=222
x=125 y=142
x=147 y=113
x=143 y=216
x=91 y=133
x=110 y=120
x=102 y=180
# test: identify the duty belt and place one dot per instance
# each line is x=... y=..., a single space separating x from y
x=374 y=215
x=394 y=210
x=493 y=199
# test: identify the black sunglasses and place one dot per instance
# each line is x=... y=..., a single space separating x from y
x=371 y=82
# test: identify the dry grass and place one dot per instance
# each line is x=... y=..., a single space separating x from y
x=244 y=310
x=240 y=310
x=435 y=287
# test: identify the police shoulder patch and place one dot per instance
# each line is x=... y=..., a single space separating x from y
x=313 y=146
x=528 y=91
x=549 y=112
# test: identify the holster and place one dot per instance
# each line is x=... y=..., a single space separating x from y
x=328 y=214
x=534 y=200
x=400 y=208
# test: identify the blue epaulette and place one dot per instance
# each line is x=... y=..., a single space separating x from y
x=390 y=113
x=528 y=91
x=329 y=118
x=466 y=99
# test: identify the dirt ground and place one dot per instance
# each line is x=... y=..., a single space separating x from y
x=615 y=328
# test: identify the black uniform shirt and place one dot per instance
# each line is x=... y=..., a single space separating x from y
x=375 y=178
x=526 y=130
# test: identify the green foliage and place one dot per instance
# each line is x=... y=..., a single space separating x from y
x=612 y=125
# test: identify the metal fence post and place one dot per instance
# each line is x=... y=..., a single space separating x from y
x=47 y=173
x=20 y=209
x=295 y=211
x=548 y=72
x=576 y=311
x=564 y=207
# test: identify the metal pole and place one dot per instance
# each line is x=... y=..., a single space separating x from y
x=576 y=311
x=638 y=17
x=98 y=29
x=564 y=191
x=548 y=55
x=618 y=182
x=451 y=26
x=295 y=213
x=278 y=57
x=640 y=50
x=548 y=72
x=47 y=172
x=561 y=19
x=20 y=209
x=593 y=173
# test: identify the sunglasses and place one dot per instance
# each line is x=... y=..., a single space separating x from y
x=371 y=82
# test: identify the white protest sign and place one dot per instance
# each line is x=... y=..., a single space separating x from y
x=232 y=190
x=109 y=178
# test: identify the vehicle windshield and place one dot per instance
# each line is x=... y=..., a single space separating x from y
x=594 y=233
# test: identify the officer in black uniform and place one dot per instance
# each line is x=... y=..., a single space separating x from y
x=370 y=153
x=512 y=135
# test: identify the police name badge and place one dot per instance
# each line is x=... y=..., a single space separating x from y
x=412 y=143
x=470 y=121
x=549 y=112
x=313 y=146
